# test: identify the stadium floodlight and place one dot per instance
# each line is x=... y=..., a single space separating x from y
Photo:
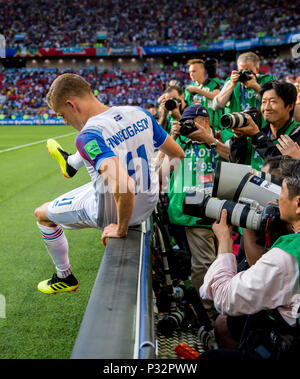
x=2 y=46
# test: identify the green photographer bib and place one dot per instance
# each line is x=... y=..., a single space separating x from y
x=196 y=98
x=291 y=244
x=196 y=171
x=256 y=160
x=245 y=98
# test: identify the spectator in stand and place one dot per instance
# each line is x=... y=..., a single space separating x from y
x=20 y=86
x=130 y=23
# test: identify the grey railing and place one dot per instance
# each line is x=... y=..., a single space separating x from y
x=118 y=322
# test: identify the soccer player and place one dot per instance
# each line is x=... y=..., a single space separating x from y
x=117 y=146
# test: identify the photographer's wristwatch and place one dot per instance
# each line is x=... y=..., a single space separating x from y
x=214 y=144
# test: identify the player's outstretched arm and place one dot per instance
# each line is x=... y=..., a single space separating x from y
x=123 y=188
x=172 y=149
x=168 y=158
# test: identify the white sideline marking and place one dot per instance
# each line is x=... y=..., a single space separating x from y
x=35 y=143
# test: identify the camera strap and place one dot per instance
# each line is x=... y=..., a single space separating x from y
x=213 y=160
x=243 y=94
x=196 y=150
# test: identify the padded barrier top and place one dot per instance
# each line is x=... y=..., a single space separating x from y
x=112 y=318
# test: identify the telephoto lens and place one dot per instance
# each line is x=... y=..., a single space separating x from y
x=171 y=322
x=249 y=186
x=224 y=174
x=233 y=120
x=200 y=205
x=239 y=120
x=207 y=338
x=249 y=214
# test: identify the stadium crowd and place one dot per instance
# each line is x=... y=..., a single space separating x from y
x=23 y=91
x=143 y=23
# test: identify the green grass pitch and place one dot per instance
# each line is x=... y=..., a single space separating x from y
x=32 y=324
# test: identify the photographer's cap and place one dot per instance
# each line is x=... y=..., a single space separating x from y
x=191 y=112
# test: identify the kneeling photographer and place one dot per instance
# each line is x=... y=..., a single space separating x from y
x=267 y=294
x=194 y=134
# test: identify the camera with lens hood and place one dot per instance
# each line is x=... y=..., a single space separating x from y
x=239 y=119
x=171 y=104
x=233 y=181
x=172 y=321
x=187 y=127
x=245 y=75
x=246 y=201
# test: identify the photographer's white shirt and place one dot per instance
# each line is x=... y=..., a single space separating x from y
x=272 y=282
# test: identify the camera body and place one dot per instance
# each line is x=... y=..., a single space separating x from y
x=187 y=127
x=171 y=104
x=239 y=120
x=245 y=75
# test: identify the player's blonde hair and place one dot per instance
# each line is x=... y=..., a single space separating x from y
x=65 y=87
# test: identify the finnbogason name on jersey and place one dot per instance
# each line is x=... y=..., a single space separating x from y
x=128 y=132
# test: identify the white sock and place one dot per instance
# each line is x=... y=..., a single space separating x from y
x=75 y=160
x=57 y=245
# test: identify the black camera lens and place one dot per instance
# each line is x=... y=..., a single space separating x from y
x=187 y=127
x=245 y=75
x=171 y=104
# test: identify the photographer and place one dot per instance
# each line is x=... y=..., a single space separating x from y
x=241 y=89
x=202 y=151
x=204 y=87
x=277 y=106
x=269 y=290
x=253 y=247
x=297 y=112
x=171 y=104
